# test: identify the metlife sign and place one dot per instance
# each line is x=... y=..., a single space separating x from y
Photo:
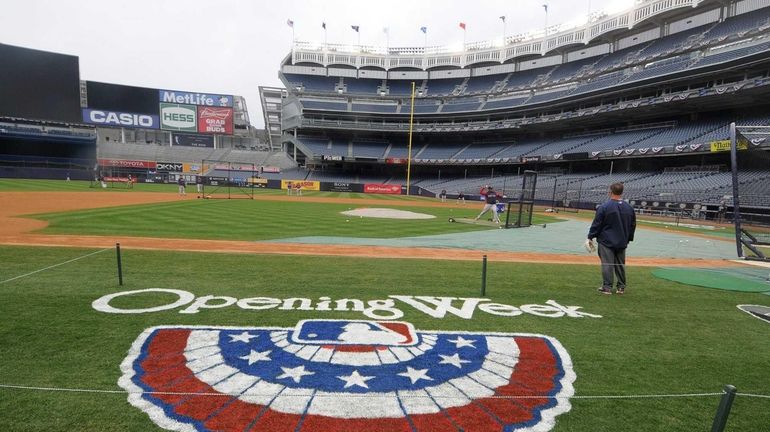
x=120 y=119
x=171 y=96
x=178 y=117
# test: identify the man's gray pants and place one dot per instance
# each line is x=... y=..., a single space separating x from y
x=613 y=264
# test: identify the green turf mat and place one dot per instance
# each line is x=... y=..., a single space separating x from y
x=732 y=279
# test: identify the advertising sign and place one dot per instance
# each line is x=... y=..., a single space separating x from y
x=120 y=119
x=306 y=184
x=271 y=169
x=398 y=161
x=193 y=140
x=529 y=159
x=257 y=182
x=376 y=188
x=178 y=97
x=169 y=166
x=127 y=163
x=215 y=120
x=178 y=117
x=340 y=187
x=724 y=145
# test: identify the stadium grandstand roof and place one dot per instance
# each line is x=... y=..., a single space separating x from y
x=601 y=26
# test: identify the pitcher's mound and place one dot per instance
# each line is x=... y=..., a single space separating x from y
x=386 y=213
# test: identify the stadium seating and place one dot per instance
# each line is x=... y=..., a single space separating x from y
x=549 y=96
x=524 y=79
x=372 y=149
x=523 y=147
x=567 y=71
x=318 y=146
x=439 y=151
x=400 y=87
x=600 y=82
x=480 y=150
x=660 y=68
x=325 y=105
x=505 y=103
x=739 y=25
x=378 y=108
x=362 y=85
x=457 y=105
x=725 y=56
x=313 y=83
x=483 y=84
x=672 y=42
x=441 y=87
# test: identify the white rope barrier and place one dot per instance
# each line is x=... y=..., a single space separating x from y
x=353 y=395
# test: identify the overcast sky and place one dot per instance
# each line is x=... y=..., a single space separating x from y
x=234 y=46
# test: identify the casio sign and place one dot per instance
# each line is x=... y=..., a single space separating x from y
x=112 y=118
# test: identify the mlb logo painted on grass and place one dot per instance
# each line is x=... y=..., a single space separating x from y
x=347 y=375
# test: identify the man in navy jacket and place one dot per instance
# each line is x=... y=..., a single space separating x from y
x=613 y=227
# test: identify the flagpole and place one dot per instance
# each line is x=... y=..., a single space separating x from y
x=409 y=157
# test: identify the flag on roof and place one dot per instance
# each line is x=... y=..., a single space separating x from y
x=462 y=25
x=356 y=28
x=290 y=23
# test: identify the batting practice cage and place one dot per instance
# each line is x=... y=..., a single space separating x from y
x=519 y=210
x=565 y=193
x=750 y=157
x=227 y=180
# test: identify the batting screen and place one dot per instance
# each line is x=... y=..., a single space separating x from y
x=519 y=211
x=750 y=156
x=227 y=180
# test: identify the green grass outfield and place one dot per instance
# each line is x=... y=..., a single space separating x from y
x=252 y=220
x=660 y=338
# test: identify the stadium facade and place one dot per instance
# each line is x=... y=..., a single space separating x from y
x=643 y=96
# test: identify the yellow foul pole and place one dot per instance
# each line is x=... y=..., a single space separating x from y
x=409 y=157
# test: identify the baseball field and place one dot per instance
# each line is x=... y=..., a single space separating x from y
x=284 y=313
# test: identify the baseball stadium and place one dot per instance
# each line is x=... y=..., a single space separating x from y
x=167 y=265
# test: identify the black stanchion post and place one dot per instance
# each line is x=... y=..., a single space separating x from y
x=484 y=276
x=120 y=264
x=723 y=411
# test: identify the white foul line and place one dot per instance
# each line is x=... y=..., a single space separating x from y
x=55 y=265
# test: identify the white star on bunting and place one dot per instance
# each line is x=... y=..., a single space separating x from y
x=355 y=379
x=243 y=337
x=255 y=356
x=461 y=342
x=415 y=374
x=454 y=360
x=294 y=373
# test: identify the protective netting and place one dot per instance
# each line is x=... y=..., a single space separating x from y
x=750 y=198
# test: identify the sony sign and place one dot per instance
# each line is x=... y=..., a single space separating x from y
x=120 y=119
x=171 y=96
x=178 y=117
x=436 y=307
